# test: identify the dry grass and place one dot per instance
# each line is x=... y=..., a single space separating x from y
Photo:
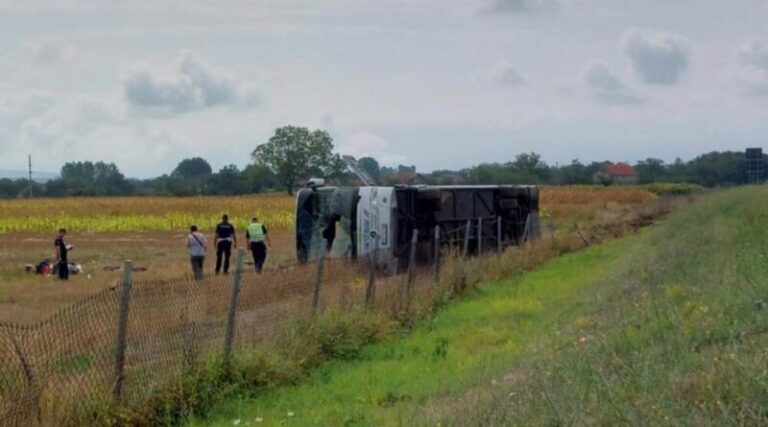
x=27 y=298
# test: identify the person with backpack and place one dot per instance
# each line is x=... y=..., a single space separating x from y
x=197 y=248
x=257 y=236
x=224 y=241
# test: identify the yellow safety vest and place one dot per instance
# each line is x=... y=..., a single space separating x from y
x=256 y=232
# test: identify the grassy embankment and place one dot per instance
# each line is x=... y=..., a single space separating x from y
x=665 y=328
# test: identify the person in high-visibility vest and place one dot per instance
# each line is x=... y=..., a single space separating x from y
x=258 y=240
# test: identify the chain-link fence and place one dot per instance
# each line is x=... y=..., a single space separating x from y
x=129 y=341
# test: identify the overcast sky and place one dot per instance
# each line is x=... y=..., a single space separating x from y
x=435 y=83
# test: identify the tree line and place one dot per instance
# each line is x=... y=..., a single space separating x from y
x=294 y=154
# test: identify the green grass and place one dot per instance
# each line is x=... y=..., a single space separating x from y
x=673 y=188
x=445 y=354
x=675 y=335
x=667 y=327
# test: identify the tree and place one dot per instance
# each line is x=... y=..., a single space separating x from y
x=488 y=173
x=718 y=168
x=10 y=188
x=370 y=165
x=677 y=171
x=92 y=179
x=194 y=168
x=574 y=173
x=651 y=170
x=228 y=181
x=258 y=178
x=295 y=153
x=529 y=168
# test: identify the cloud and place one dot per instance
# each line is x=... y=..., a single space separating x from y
x=521 y=6
x=606 y=87
x=504 y=73
x=65 y=125
x=752 y=70
x=18 y=107
x=88 y=128
x=47 y=52
x=753 y=81
x=657 y=57
x=754 y=54
x=365 y=143
x=192 y=85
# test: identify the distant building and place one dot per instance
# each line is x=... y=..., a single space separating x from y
x=619 y=173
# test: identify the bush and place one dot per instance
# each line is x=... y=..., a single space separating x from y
x=674 y=188
x=343 y=335
x=303 y=346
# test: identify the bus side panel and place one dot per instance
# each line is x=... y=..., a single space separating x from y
x=364 y=220
x=374 y=213
x=387 y=203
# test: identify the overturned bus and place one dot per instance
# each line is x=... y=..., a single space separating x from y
x=355 y=222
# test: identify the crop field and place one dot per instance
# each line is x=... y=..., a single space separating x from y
x=131 y=214
x=151 y=232
x=143 y=214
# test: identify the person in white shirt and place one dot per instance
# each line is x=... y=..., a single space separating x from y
x=197 y=248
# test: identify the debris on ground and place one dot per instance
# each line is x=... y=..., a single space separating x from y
x=47 y=268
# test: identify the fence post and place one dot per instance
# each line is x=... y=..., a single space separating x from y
x=370 y=292
x=527 y=229
x=318 y=276
x=467 y=230
x=437 y=256
x=122 y=329
x=229 y=338
x=479 y=236
x=411 y=267
x=535 y=226
x=499 y=243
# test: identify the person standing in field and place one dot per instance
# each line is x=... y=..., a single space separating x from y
x=62 y=249
x=224 y=241
x=197 y=248
x=257 y=236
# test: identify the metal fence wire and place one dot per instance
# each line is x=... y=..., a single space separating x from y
x=129 y=341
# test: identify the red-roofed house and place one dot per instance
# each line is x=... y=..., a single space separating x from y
x=621 y=173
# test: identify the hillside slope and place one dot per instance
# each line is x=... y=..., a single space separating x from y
x=668 y=327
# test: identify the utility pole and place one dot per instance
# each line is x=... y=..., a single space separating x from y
x=29 y=158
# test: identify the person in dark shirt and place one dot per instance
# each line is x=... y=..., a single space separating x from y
x=225 y=240
x=61 y=254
